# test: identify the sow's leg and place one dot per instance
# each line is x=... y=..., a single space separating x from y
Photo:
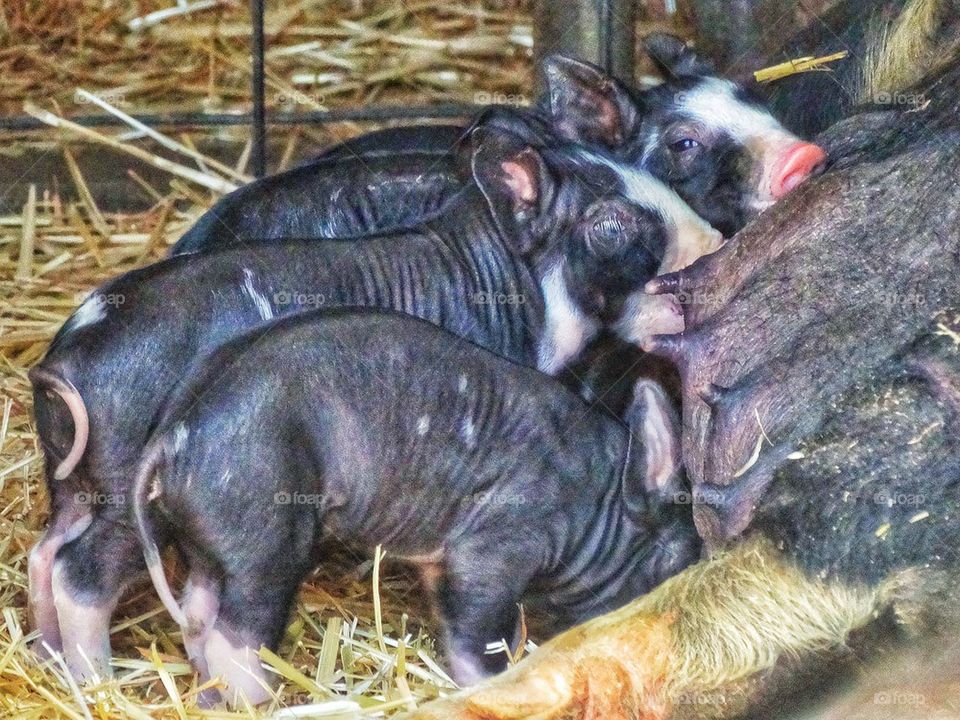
x=706 y=633
x=89 y=574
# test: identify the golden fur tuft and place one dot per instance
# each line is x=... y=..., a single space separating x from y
x=924 y=36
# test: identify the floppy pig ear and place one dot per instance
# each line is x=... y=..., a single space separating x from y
x=655 y=447
x=673 y=58
x=516 y=184
x=586 y=104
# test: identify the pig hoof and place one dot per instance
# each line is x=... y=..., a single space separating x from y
x=239 y=668
x=85 y=630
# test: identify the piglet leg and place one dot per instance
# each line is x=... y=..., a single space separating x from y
x=66 y=526
x=477 y=597
x=89 y=574
x=253 y=609
x=201 y=604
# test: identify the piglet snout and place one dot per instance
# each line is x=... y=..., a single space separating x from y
x=797 y=164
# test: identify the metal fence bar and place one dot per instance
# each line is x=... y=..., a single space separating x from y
x=381 y=113
x=607 y=30
x=599 y=31
x=258 y=155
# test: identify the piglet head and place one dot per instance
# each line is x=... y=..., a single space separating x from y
x=627 y=227
x=615 y=243
x=715 y=143
x=594 y=231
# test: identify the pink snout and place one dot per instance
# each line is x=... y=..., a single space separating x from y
x=798 y=163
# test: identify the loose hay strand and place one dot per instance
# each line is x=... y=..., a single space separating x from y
x=797 y=66
x=205 y=179
x=25 y=259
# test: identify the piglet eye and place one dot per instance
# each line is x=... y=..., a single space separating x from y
x=684 y=145
x=606 y=235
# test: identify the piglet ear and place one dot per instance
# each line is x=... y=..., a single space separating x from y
x=655 y=448
x=673 y=58
x=587 y=105
x=516 y=183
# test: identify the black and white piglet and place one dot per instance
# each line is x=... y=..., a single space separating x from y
x=384 y=429
x=707 y=137
x=341 y=196
x=704 y=136
x=380 y=182
x=544 y=249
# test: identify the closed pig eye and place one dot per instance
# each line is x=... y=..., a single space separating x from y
x=606 y=236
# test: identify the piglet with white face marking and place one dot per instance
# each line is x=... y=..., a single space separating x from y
x=496 y=481
x=706 y=137
x=546 y=247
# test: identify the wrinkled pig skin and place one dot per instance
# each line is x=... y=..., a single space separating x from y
x=818 y=298
x=335 y=197
x=491 y=478
x=379 y=182
x=531 y=260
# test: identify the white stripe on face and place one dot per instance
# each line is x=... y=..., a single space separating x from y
x=714 y=103
x=567 y=329
x=690 y=236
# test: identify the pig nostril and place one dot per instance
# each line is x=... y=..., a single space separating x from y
x=799 y=163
